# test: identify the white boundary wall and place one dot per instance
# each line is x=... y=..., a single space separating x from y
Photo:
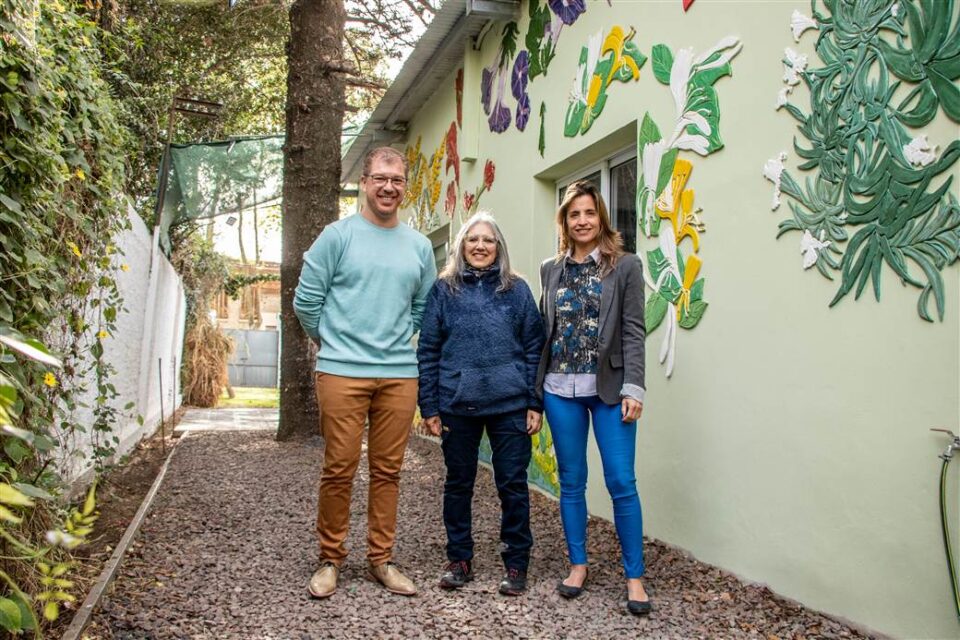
x=148 y=343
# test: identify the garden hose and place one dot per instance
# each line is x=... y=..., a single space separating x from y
x=947 y=456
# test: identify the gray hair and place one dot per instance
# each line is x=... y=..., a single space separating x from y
x=452 y=272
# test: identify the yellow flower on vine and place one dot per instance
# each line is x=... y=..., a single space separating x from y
x=690 y=272
x=102 y=334
x=676 y=205
x=434 y=182
x=80 y=174
x=74 y=248
x=124 y=267
x=49 y=379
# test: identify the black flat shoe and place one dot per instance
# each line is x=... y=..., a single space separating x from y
x=568 y=592
x=639 y=607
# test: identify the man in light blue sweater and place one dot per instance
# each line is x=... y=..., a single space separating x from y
x=361 y=297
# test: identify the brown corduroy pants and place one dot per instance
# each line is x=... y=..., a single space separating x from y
x=345 y=403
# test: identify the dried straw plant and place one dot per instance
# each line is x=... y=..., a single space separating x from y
x=206 y=351
x=206 y=347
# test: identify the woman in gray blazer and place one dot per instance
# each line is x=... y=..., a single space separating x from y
x=592 y=367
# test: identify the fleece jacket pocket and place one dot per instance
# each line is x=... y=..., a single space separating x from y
x=484 y=386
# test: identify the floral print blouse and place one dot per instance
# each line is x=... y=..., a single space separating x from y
x=573 y=347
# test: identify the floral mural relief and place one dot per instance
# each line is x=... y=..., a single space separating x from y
x=603 y=60
x=665 y=206
x=879 y=192
x=493 y=81
x=425 y=183
x=543 y=34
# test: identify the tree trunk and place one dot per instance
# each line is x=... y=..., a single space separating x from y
x=311 y=186
x=256 y=232
x=243 y=253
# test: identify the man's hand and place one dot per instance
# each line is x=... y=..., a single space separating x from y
x=433 y=425
x=631 y=409
x=534 y=421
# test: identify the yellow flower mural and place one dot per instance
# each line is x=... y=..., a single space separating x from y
x=676 y=205
x=677 y=300
x=602 y=60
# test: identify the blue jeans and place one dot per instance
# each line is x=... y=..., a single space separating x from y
x=569 y=420
x=511 y=455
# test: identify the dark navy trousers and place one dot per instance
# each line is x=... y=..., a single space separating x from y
x=511 y=455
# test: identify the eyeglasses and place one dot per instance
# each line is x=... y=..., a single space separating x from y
x=380 y=181
x=481 y=240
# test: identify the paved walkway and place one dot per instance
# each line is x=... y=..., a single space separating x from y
x=228 y=548
x=239 y=419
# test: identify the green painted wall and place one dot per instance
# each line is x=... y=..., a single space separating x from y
x=791 y=444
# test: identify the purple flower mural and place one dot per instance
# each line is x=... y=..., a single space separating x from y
x=523 y=112
x=501 y=115
x=518 y=79
x=486 y=84
x=568 y=10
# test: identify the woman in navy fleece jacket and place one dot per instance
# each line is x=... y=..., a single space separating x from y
x=479 y=351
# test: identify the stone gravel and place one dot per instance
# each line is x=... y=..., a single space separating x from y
x=228 y=547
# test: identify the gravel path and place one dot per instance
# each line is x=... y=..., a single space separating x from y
x=228 y=548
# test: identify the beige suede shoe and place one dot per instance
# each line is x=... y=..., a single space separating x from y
x=324 y=580
x=390 y=577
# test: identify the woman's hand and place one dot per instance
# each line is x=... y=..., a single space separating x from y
x=631 y=409
x=432 y=425
x=534 y=421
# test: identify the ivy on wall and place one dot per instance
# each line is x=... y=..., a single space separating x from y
x=880 y=191
x=61 y=205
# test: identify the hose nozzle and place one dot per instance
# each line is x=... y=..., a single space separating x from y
x=953 y=446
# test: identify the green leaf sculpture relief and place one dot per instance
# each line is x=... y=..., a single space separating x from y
x=665 y=201
x=662 y=60
x=541 y=39
x=603 y=60
x=879 y=193
x=690 y=315
x=654 y=311
x=932 y=61
x=542 y=142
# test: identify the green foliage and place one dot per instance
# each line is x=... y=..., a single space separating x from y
x=61 y=184
x=204 y=273
x=157 y=50
x=872 y=203
x=25 y=555
x=61 y=176
x=235 y=283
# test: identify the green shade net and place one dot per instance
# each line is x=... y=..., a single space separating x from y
x=218 y=178
x=209 y=179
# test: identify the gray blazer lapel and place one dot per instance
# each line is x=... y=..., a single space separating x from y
x=607 y=287
x=550 y=290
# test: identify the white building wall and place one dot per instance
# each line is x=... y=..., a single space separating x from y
x=148 y=337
